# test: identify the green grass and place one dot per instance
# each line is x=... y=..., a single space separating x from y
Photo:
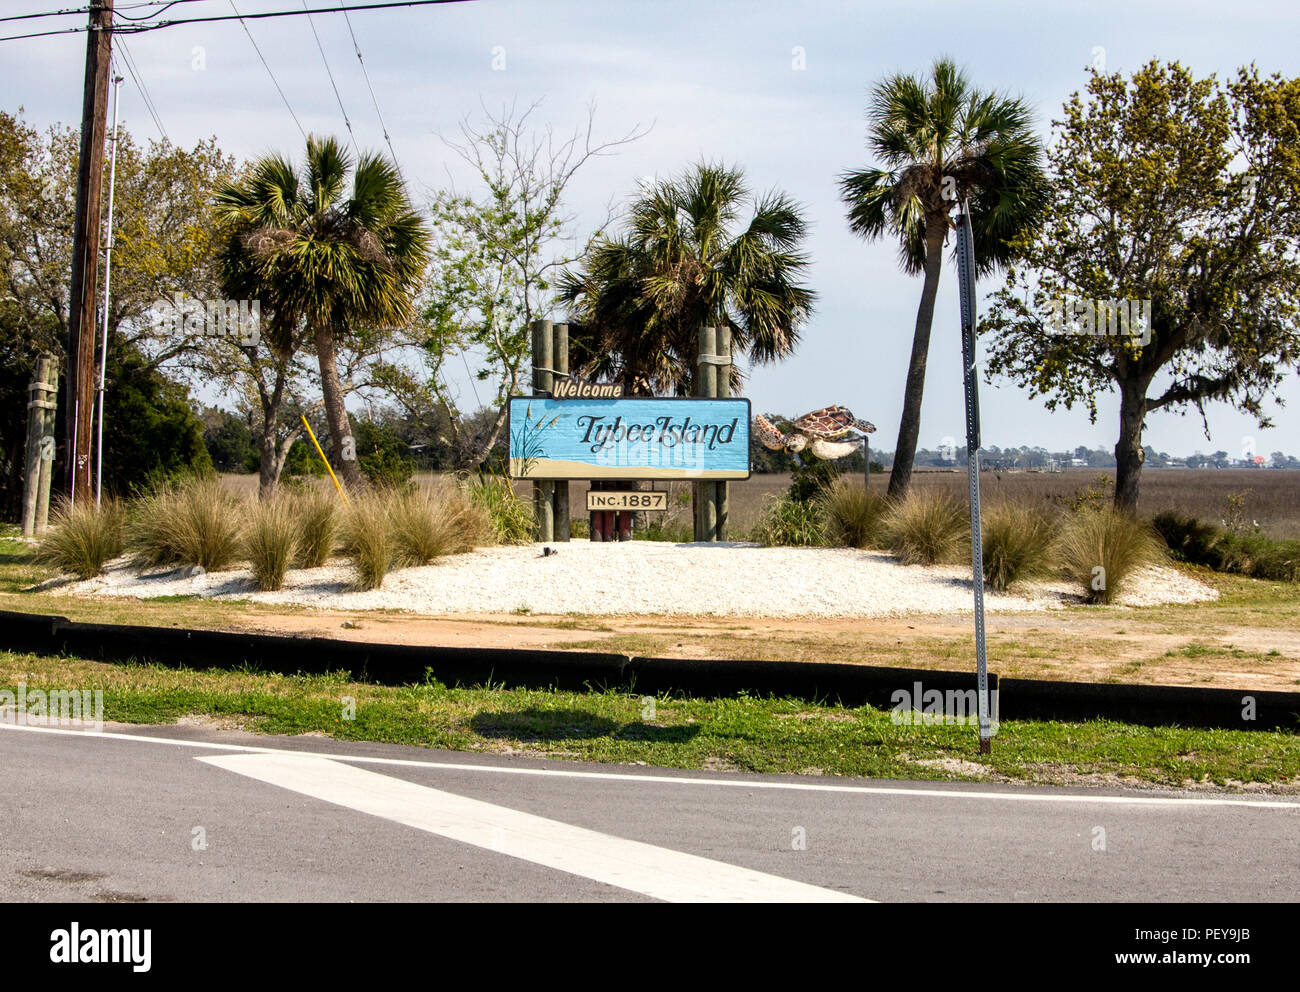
x=1199 y=650
x=1199 y=543
x=511 y=515
x=791 y=523
x=745 y=733
x=660 y=528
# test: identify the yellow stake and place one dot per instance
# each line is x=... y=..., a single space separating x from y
x=326 y=461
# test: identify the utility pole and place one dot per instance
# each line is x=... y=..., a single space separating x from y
x=85 y=254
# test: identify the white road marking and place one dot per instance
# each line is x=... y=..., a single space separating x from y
x=724 y=783
x=628 y=864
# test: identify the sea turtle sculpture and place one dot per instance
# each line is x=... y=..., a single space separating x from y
x=817 y=432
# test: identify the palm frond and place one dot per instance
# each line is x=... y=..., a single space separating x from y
x=316 y=254
x=326 y=175
x=940 y=142
x=681 y=264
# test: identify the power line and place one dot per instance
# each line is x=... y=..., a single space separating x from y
x=274 y=81
x=145 y=17
x=137 y=29
x=49 y=13
x=314 y=10
x=151 y=3
x=43 y=34
x=137 y=77
x=329 y=72
x=382 y=126
x=68 y=11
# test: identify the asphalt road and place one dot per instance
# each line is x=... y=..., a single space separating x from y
x=168 y=813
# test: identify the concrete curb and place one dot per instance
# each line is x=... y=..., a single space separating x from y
x=851 y=685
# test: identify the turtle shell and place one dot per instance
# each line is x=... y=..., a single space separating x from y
x=829 y=422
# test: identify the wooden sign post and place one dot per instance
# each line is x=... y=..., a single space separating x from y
x=40 y=446
x=721 y=494
x=550 y=365
x=560 y=513
x=713 y=380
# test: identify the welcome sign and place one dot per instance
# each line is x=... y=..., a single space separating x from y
x=629 y=438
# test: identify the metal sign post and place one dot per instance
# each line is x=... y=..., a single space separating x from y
x=966 y=278
x=108 y=275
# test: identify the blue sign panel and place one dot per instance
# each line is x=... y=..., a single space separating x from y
x=629 y=438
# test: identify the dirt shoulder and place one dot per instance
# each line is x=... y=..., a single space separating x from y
x=1165 y=650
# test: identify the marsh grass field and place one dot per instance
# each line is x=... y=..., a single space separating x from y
x=1272 y=495
x=1273 y=498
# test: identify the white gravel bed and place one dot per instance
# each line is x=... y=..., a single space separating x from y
x=647 y=577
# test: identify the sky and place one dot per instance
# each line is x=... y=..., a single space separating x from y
x=776 y=88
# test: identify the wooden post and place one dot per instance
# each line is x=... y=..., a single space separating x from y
x=866 y=460
x=46 y=483
x=711 y=390
x=706 y=384
x=560 y=514
x=543 y=381
x=608 y=521
x=40 y=446
x=724 y=392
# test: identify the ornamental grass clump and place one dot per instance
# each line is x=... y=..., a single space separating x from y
x=1101 y=548
x=83 y=537
x=368 y=537
x=270 y=541
x=854 y=517
x=510 y=517
x=196 y=523
x=1017 y=543
x=926 y=528
x=431 y=523
x=318 y=520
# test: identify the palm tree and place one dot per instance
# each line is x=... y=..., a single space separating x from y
x=680 y=266
x=323 y=260
x=942 y=143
